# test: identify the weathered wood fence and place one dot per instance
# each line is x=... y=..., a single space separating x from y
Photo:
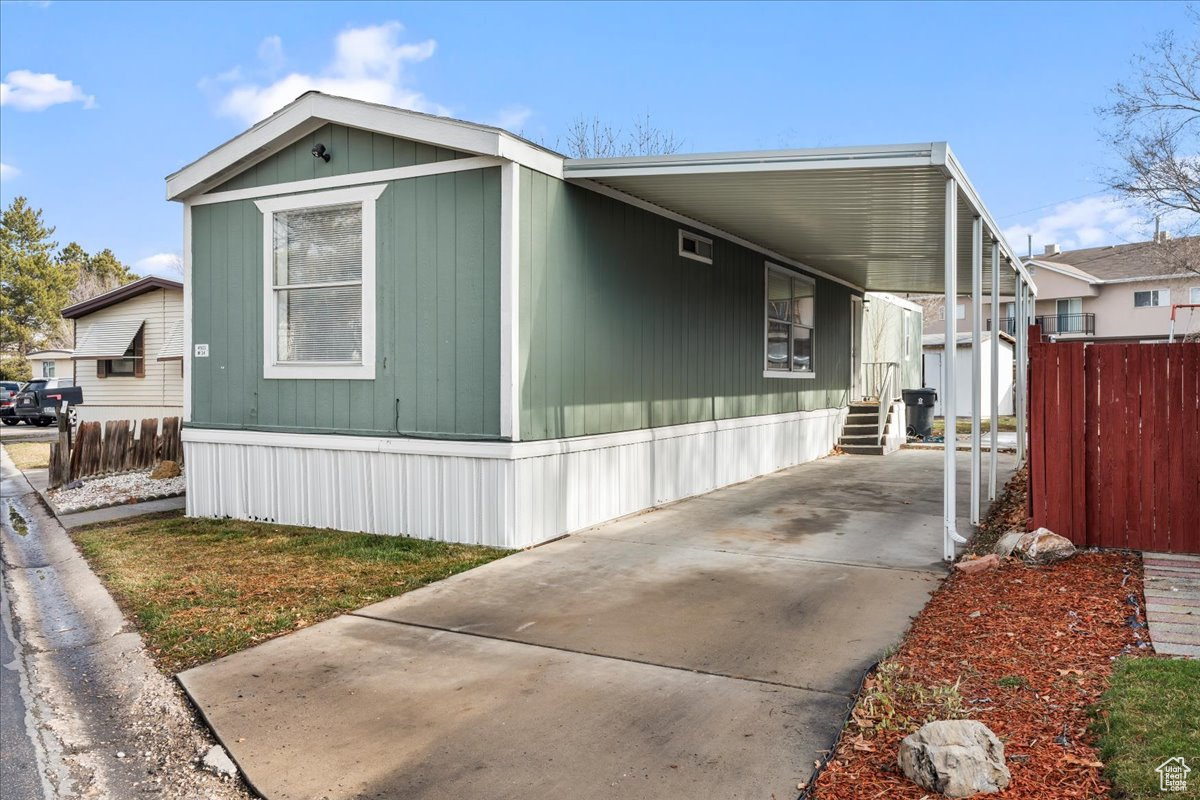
x=102 y=449
x=1114 y=431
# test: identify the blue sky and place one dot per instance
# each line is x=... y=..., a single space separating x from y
x=102 y=100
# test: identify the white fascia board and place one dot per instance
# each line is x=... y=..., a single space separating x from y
x=645 y=205
x=768 y=161
x=313 y=110
x=1087 y=278
x=954 y=170
x=896 y=300
x=1178 y=276
x=530 y=156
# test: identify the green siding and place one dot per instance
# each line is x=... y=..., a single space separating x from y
x=352 y=150
x=618 y=332
x=437 y=319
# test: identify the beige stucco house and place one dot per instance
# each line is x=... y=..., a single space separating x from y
x=50 y=363
x=1115 y=293
x=129 y=351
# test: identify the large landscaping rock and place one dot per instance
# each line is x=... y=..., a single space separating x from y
x=981 y=564
x=1044 y=546
x=166 y=469
x=1007 y=543
x=958 y=758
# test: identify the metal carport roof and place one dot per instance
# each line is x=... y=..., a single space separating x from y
x=871 y=216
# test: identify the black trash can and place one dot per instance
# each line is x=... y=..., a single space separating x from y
x=918 y=409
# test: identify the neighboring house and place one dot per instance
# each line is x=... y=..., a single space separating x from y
x=934 y=346
x=409 y=324
x=50 y=363
x=129 y=351
x=1119 y=292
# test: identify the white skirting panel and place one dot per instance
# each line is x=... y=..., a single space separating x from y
x=504 y=494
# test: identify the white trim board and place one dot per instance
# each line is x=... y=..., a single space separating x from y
x=350 y=179
x=510 y=301
x=188 y=355
x=365 y=369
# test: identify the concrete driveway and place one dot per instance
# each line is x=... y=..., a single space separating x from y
x=707 y=649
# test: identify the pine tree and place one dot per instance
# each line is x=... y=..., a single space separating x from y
x=34 y=285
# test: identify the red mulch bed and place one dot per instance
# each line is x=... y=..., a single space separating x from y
x=1049 y=632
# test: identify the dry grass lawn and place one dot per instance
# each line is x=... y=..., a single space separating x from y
x=29 y=455
x=199 y=589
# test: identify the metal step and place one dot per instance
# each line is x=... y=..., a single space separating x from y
x=851 y=430
x=864 y=408
x=863 y=449
x=869 y=438
x=863 y=419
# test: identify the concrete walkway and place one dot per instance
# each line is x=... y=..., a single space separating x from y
x=1172 y=591
x=707 y=649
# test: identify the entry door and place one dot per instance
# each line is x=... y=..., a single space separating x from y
x=932 y=375
x=856 y=314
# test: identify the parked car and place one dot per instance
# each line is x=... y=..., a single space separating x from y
x=8 y=406
x=26 y=402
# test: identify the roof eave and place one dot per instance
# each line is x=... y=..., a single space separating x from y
x=118 y=295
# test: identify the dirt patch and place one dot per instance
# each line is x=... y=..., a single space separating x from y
x=1026 y=651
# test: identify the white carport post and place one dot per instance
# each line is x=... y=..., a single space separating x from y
x=995 y=376
x=1022 y=332
x=976 y=361
x=949 y=464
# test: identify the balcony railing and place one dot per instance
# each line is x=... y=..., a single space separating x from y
x=1053 y=324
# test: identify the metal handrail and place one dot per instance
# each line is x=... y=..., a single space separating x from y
x=885 y=398
x=873 y=376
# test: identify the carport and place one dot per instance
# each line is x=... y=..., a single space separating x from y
x=897 y=218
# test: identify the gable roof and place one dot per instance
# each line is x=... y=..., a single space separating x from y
x=147 y=284
x=313 y=109
x=1112 y=262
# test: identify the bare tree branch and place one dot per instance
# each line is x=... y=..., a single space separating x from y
x=592 y=138
x=1154 y=128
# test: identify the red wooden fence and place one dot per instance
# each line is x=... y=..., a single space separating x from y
x=1114 y=433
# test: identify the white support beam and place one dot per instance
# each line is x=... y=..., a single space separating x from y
x=976 y=362
x=994 y=405
x=1022 y=333
x=949 y=376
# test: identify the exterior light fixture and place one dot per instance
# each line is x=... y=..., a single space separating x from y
x=319 y=151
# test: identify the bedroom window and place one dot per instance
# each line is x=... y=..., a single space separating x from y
x=319 y=260
x=130 y=365
x=790 y=318
x=1151 y=298
x=695 y=247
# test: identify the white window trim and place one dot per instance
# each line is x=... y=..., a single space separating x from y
x=364 y=371
x=791 y=273
x=694 y=256
x=1163 y=294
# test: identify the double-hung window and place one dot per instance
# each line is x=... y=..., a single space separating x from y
x=790 y=318
x=319 y=287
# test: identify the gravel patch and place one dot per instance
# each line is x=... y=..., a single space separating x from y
x=115 y=490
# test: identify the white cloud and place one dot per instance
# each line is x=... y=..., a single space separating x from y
x=270 y=53
x=368 y=64
x=37 y=91
x=161 y=264
x=8 y=172
x=512 y=118
x=1089 y=222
